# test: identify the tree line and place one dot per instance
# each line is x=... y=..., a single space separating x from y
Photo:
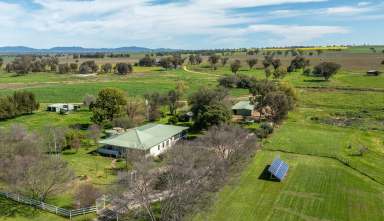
x=20 y=103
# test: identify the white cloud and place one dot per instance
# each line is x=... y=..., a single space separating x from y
x=296 y=34
x=363 y=3
x=107 y=23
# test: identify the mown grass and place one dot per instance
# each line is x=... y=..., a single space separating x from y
x=40 y=119
x=314 y=189
x=330 y=177
x=12 y=211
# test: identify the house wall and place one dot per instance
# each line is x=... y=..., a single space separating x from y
x=242 y=112
x=163 y=146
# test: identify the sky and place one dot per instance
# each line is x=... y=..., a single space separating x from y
x=190 y=24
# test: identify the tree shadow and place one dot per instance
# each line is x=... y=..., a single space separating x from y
x=315 y=80
x=266 y=175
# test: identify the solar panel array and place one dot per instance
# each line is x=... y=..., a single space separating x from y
x=278 y=168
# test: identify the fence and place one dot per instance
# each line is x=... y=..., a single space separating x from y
x=48 y=207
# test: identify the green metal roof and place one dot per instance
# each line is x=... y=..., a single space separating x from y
x=144 y=137
x=241 y=105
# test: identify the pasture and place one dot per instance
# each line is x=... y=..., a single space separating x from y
x=333 y=141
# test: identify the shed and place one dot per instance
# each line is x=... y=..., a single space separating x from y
x=61 y=107
x=373 y=73
x=243 y=108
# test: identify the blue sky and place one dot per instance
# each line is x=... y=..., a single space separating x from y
x=190 y=24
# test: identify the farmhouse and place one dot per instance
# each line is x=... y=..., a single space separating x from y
x=152 y=139
x=243 y=108
x=62 y=107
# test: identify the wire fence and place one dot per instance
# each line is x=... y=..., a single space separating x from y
x=48 y=207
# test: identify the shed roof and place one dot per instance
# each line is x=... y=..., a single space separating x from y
x=243 y=105
x=144 y=137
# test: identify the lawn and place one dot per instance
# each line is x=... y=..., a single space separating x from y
x=315 y=189
x=12 y=211
x=40 y=119
x=329 y=178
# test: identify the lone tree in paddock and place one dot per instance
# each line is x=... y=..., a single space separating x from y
x=124 y=68
x=326 y=70
x=213 y=60
x=251 y=62
x=235 y=66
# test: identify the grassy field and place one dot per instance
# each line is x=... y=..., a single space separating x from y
x=315 y=189
x=321 y=140
x=334 y=144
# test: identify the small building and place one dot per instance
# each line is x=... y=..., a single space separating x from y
x=373 y=73
x=243 y=108
x=151 y=139
x=58 y=108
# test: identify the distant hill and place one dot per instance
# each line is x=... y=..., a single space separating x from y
x=27 y=50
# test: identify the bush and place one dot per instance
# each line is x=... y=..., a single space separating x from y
x=307 y=72
x=326 y=69
x=123 y=122
x=173 y=120
x=228 y=81
x=183 y=117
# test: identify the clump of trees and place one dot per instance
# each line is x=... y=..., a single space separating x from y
x=326 y=70
x=195 y=59
x=106 y=68
x=20 y=103
x=123 y=68
x=235 y=66
x=277 y=98
x=297 y=63
x=214 y=60
x=147 y=61
x=174 y=61
x=252 y=62
x=237 y=81
x=29 y=63
x=208 y=108
x=108 y=105
x=30 y=171
x=88 y=67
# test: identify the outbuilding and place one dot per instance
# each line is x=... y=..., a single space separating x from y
x=61 y=107
x=373 y=73
x=243 y=108
x=150 y=139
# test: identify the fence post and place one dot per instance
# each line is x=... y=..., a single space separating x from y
x=56 y=209
x=70 y=214
x=104 y=201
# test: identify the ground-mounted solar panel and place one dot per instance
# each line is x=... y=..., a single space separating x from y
x=278 y=168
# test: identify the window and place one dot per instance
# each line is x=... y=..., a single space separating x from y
x=158 y=147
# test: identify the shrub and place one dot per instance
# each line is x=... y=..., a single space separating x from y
x=307 y=72
x=123 y=122
x=228 y=81
x=326 y=69
x=173 y=120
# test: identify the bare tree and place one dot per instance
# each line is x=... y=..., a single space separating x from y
x=86 y=195
x=134 y=109
x=227 y=141
x=138 y=188
x=94 y=132
x=54 y=138
x=29 y=170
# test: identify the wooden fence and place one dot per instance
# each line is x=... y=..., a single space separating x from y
x=48 y=207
